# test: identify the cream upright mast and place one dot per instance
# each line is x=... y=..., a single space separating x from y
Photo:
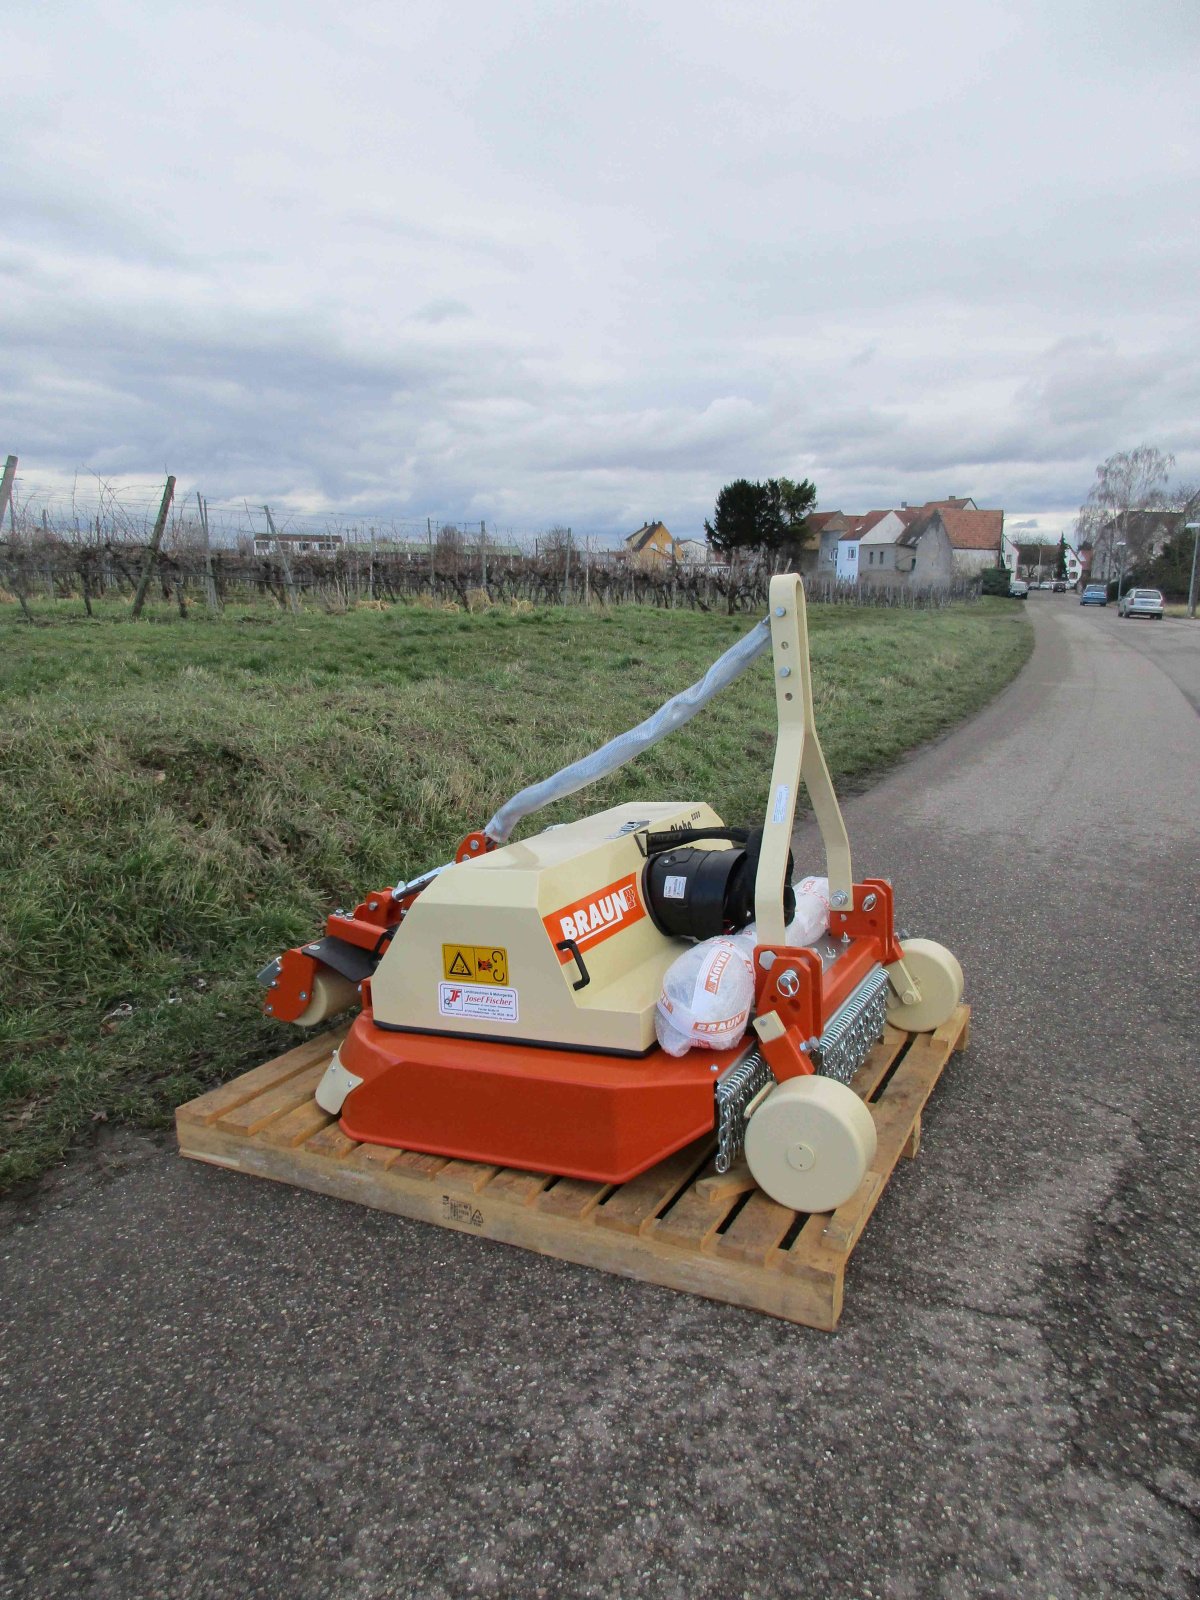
x=509 y=998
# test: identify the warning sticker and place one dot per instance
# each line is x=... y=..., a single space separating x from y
x=476 y=963
x=597 y=917
x=481 y=1002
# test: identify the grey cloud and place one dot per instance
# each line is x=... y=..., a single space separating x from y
x=546 y=264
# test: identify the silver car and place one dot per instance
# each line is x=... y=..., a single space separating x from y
x=1141 y=603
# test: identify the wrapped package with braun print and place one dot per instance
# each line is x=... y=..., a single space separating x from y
x=706 y=998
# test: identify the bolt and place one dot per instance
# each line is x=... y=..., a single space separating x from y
x=274 y=983
x=304 y=994
x=373 y=905
x=869 y=903
x=767 y=960
x=788 y=983
x=781 y=611
x=785 y=672
x=270 y=1008
x=909 y=996
x=474 y=844
x=840 y=897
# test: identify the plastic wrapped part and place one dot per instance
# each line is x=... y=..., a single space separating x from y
x=811 y=919
x=675 y=714
x=706 y=998
x=809 y=925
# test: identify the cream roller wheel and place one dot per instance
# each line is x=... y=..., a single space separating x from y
x=810 y=1143
x=330 y=994
x=939 y=978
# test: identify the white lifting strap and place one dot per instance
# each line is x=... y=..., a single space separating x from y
x=675 y=714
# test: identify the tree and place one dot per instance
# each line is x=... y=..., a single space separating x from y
x=789 y=506
x=740 y=518
x=1131 y=480
x=764 y=518
x=1060 y=566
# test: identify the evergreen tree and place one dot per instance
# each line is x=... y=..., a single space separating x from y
x=768 y=517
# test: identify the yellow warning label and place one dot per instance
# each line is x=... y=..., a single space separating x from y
x=475 y=962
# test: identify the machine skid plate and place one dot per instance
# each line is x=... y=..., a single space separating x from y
x=573 y=1113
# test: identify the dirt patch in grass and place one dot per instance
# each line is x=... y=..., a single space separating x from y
x=182 y=800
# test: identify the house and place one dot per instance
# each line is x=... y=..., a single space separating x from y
x=976 y=537
x=910 y=545
x=304 y=544
x=651 y=546
x=850 y=542
x=825 y=530
x=694 y=552
x=1144 y=533
x=930 y=544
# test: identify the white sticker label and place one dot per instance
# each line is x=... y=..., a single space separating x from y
x=781 y=804
x=675 y=889
x=481 y=1002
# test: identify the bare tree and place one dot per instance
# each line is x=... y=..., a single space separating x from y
x=1129 y=481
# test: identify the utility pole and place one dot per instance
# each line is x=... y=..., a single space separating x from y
x=432 y=568
x=160 y=523
x=567 y=572
x=6 y=494
x=483 y=555
x=288 y=581
x=210 y=583
x=1194 y=528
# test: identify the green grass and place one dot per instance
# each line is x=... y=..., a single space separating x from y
x=183 y=799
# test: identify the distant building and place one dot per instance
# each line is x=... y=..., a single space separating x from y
x=826 y=529
x=849 y=551
x=976 y=537
x=694 y=552
x=303 y=544
x=651 y=546
x=929 y=544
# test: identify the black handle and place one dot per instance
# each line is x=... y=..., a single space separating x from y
x=654 y=844
x=585 y=976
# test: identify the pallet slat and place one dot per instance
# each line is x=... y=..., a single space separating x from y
x=681 y=1225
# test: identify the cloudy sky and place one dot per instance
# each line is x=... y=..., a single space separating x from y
x=540 y=262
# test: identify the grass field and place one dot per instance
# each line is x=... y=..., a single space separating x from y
x=182 y=800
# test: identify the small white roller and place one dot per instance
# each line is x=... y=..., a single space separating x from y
x=331 y=993
x=939 y=978
x=810 y=1143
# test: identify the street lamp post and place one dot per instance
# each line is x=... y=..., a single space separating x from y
x=1194 y=528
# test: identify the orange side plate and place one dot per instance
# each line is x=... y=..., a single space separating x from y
x=580 y=1115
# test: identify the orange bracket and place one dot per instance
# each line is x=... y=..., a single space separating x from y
x=873 y=913
x=291 y=989
x=788 y=1006
x=473 y=846
x=369 y=921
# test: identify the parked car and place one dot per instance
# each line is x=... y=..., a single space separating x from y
x=1141 y=603
x=1060 y=586
x=1096 y=594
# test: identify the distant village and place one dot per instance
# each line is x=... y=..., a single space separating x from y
x=932 y=545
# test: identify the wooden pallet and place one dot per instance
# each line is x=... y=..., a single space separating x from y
x=681 y=1224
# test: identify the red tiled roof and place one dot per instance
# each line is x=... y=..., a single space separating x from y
x=820 y=520
x=972 y=530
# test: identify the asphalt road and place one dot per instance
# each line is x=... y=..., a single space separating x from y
x=213 y=1386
